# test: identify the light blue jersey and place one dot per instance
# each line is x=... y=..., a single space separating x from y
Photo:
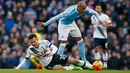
x=70 y=14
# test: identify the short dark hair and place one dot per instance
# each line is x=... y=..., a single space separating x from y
x=98 y=5
x=32 y=36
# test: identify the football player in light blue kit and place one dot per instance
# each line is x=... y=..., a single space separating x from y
x=68 y=26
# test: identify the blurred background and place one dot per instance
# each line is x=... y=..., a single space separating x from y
x=18 y=19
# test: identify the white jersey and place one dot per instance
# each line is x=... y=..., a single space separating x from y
x=99 y=30
x=41 y=52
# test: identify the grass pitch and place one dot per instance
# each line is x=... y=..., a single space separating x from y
x=60 y=71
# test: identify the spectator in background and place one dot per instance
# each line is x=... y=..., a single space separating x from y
x=2 y=30
x=9 y=22
x=2 y=12
x=126 y=61
x=114 y=62
x=12 y=60
x=30 y=13
x=3 y=61
x=34 y=30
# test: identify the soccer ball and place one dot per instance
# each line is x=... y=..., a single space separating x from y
x=97 y=65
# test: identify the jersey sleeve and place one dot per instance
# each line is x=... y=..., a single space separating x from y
x=51 y=46
x=57 y=17
x=94 y=20
x=107 y=19
x=28 y=54
x=48 y=43
x=91 y=11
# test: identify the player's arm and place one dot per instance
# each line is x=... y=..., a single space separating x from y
x=28 y=54
x=22 y=63
x=53 y=48
x=92 y=22
x=57 y=17
x=108 y=25
x=95 y=21
x=91 y=11
x=107 y=22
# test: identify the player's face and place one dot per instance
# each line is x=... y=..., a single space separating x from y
x=98 y=9
x=34 y=42
x=81 y=9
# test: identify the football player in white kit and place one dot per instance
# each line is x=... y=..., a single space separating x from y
x=45 y=51
x=100 y=34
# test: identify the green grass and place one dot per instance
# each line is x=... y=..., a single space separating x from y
x=60 y=71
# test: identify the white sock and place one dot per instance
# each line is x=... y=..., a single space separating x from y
x=105 y=59
x=81 y=63
x=69 y=67
x=87 y=64
x=97 y=56
x=105 y=56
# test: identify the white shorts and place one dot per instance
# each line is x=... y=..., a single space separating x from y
x=65 y=30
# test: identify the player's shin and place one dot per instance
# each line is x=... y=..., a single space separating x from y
x=81 y=49
x=105 y=59
x=85 y=64
x=61 y=49
x=69 y=67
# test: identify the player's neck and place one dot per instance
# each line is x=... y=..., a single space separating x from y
x=38 y=45
x=100 y=13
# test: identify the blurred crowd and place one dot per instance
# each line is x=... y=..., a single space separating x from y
x=18 y=19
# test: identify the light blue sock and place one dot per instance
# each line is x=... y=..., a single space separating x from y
x=81 y=49
x=61 y=49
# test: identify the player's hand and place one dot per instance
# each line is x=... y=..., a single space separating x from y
x=105 y=25
x=40 y=23
x=48 y=55
x=101 y=22
x=51 y=54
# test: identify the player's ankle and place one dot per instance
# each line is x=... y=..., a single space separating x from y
x=88 y=65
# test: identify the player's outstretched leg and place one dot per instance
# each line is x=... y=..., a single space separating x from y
x=81 y=49
x=59 y=67
x=76 y=67
x=79 y=62
x=71 y=67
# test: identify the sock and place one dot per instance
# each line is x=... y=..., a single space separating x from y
x=97 y=56
x=84 y=64
x=69 y=67
x=61 y=49
x=105 y=58
x=81 y=50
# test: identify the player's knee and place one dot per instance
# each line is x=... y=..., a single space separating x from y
x=72 y=61
x=76 y=61
x=58 y=67
x=78 y=38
